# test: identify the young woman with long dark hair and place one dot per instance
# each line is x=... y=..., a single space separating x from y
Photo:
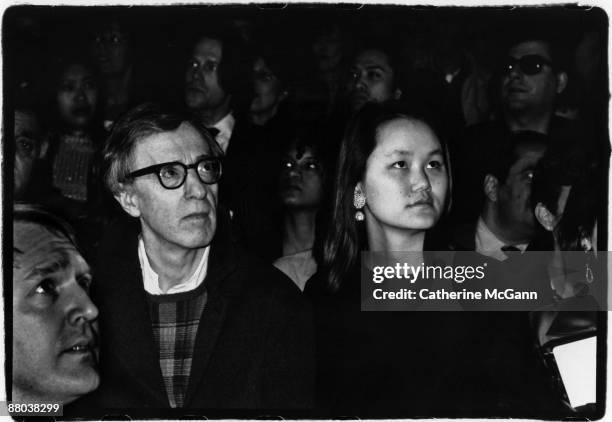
x=392 y=187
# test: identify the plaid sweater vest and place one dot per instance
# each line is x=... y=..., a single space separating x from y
x=175 y=319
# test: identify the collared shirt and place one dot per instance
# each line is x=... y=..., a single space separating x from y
x=151 y=279
x=488 y=244
x=225 y=127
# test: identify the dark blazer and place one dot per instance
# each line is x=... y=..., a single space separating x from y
x=254 y=347
x=248 y=188
x=512 y=371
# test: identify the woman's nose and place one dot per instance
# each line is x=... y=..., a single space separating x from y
x=419 y=181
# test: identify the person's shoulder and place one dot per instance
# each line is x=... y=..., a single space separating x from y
x=119 y=235
x=263 y=281
x=463 y=236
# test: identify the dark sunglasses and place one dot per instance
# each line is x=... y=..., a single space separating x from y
x=531 y=64
x=172 y=175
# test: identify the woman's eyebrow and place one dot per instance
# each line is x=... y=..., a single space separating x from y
x=399 y=152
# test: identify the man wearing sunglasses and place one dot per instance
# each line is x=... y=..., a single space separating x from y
x=188 y=320
x=531 y=75
x=531 y=80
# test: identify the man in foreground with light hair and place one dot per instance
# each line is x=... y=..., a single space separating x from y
x=55 y=346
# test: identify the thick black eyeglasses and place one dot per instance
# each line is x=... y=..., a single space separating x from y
x=172 y=175
x=531 y=64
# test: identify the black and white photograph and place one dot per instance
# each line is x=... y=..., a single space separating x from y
x=305 y=211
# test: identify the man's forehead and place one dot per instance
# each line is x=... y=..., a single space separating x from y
x=77 y=71
x=209 y=47
x=171 y=145
x=528 y=156
x=369 y=58
x=530 y=47
x=26 y=121
x=35 y=245
x=28 y=234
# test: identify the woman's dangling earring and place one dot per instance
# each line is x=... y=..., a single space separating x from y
x=588 y=272
x=359 y=202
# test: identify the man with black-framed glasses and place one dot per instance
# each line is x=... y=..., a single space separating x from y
x=189 y=321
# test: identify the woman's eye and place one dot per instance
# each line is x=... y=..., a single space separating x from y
x=353 y=75
x=399 y=165
x=312 y=166
x=46 y=287
x=434 y=164
x=193 y=64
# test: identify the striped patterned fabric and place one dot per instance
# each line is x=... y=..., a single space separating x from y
x=71 y=166
x=175 y=319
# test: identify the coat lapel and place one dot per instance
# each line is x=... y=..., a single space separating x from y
x=129 y=324
x=220 y=290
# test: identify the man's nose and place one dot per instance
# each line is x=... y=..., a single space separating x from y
x=361 y=83
x=80 y=306
x=194 y=187
x=515 y=71
x=195 y=73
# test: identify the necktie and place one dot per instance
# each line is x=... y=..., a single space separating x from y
x=510 y=251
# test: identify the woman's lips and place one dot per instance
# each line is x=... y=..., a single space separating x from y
x=422 y=202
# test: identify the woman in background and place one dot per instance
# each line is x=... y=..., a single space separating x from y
x=300 y=187
x=74 y=145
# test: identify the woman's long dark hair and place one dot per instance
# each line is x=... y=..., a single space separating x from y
x=345 y=237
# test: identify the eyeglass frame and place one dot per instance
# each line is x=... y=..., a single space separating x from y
x=511 y=63
x=155 y=169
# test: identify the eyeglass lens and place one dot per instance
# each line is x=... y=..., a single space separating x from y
x=173 y=175
x=529 y=64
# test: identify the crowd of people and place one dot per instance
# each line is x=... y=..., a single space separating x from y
x=192 y=199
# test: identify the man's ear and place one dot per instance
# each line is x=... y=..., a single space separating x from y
x=546 y=218
x=561 y=82
x=490 y=187
x=128 y=199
